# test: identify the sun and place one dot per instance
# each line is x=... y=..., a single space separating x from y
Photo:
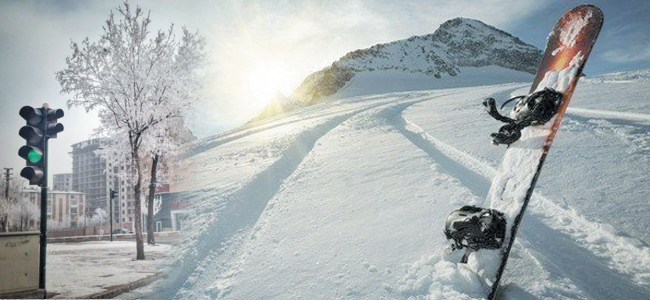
x=265 y=81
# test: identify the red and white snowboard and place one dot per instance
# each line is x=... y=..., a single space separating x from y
x=567 y=50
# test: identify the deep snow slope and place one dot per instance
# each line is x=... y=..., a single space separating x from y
x=347 y=200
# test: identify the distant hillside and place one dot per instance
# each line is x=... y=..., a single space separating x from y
x=636 y=75
x=456 y=44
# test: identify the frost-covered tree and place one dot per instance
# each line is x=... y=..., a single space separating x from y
x=10 y=195
x=22 y=212
x=135 y=83
x=99 y=217
x=55 y=224
x=163 y=147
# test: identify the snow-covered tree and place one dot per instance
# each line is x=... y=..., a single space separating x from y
x=82 y=221
x=10 y=195
x=54 y=224
x=99 y=217
x=163 y=146
x=22 y=212
x=135 y=83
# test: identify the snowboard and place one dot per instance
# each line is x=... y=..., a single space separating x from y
x=567 y=49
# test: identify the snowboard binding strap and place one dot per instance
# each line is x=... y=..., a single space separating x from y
x=475 y=228
x=534 y=109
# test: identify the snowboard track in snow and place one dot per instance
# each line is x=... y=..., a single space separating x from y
x=574 y=234
x=244 y=207
x=578 y=257
x=241 y=210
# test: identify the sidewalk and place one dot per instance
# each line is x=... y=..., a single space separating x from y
x=82 y=270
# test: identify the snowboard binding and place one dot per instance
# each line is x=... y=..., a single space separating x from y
x=475 y=228
x=534 y=109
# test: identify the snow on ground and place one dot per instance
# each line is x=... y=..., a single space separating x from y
x=347 y=200
x=399 y=81
x=77 y=270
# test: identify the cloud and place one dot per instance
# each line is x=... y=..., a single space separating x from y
x=634 y=53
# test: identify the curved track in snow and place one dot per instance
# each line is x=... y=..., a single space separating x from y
x=241 y=209
x=561 y=238
x=242 y=229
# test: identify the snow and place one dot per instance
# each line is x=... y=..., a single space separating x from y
x=347 y=199
x=77 y=270
x=399 y=81
x=561 y=80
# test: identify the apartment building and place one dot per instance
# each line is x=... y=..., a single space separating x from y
x=93 y=176
x=62 y=182
x=64 y=207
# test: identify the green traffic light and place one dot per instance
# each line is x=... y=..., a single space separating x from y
x=34 y=157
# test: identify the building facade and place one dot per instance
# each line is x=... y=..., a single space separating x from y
x=174 y=208
x=62 y=182
x=64 y=207
x=95 y=177
x=89 y=174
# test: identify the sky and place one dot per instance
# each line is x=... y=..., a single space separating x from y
x=260 y=49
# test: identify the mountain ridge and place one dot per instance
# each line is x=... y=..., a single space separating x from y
x=457 y=43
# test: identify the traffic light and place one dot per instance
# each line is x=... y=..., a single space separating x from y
x=52 y=127
x=41 y=125
x=113 y=194
x=32 y=152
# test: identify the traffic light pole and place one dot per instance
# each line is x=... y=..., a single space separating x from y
x=41 y=125
x=110 y=203
x=43 y=235
x=8 y=177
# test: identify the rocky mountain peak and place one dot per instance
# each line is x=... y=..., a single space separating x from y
x=456 y=44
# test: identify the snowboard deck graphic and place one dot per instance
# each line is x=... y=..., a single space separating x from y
x=567 y=50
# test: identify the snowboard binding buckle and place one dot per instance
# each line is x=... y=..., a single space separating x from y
x=534 y=109
x=475 y=228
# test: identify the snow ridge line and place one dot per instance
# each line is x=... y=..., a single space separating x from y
x=625 y=254
x=238 y=214
x=605 y=114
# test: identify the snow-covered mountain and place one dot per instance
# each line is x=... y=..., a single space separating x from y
x=346 y=199
x=450 y=56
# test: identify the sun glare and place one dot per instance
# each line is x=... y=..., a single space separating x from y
x=265 y=81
